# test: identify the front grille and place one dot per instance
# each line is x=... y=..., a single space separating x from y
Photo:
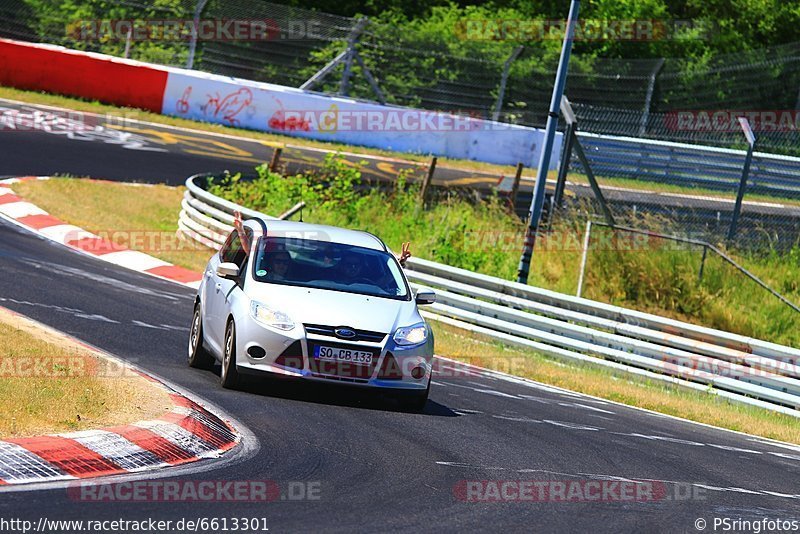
x=361 y=335
x=340 y=378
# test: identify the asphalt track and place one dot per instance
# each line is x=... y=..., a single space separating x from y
x=381 y=469
x=378 y=469
x=54 y=142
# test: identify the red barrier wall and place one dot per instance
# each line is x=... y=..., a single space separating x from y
x=91 y=76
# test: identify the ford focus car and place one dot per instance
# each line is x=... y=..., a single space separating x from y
x=313 y=302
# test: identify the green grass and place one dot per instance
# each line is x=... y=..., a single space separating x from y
x=51 y=384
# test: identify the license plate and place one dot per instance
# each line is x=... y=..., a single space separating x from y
x=335 y=354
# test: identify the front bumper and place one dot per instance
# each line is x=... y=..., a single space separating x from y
x=289 y=354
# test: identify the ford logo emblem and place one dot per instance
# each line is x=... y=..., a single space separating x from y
x=345 y=333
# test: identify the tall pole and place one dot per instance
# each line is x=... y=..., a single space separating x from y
x=537 y=202
x=737 y=208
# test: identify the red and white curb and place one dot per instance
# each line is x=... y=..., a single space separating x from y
x=187 y=433
x=29 y=215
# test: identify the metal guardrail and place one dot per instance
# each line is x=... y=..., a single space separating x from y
x=743 y=369
x=690 y=165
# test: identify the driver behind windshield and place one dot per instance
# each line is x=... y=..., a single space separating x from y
x=351 y=268
x=278 y=264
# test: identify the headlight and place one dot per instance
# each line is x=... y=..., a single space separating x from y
x=411 y=335
x=270 y=317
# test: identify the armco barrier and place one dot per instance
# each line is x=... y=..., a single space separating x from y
x=744 y=369
x=56 y=69
x=690 y=165
x=273 y=108
x=265 y=107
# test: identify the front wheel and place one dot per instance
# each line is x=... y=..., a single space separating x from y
x=199 y=357
x=229 y=376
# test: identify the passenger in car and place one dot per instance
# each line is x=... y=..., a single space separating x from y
x=405 y=253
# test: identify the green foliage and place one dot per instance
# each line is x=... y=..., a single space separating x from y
x=63 y=20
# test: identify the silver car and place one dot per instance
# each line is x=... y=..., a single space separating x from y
x=313 y=302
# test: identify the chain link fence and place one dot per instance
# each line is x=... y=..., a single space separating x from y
x=671 y=188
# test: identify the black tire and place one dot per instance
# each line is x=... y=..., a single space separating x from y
x=199 y=357
x=229 y=376
x=415 y=402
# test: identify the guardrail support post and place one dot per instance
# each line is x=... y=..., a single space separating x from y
x=423 y=193
x=128 y=38
x=737 y=209
x=276 y=159
x=537 y=201
x=566 y=154
x=584 y=253
x=598 y=193
x=651 y=85
x=702 y=264
x=515 y=185
x=323 y=72
x=563 y=167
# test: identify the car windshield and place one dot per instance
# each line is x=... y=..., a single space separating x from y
x=326 y=265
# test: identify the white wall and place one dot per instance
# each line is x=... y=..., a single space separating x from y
x=274 y=108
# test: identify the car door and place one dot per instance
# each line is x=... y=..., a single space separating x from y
x=218 y=290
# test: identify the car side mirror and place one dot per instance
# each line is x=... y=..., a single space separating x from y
x=425 y=296
x=228 y=270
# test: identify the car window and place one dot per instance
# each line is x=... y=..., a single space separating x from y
x=326 y=265
x=232 y=251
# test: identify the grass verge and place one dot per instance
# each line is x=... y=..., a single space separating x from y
x=140 y=217
x=51 y=384
x=157 y=208
x=615 y=386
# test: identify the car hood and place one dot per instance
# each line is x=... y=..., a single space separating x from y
x=336 y=308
